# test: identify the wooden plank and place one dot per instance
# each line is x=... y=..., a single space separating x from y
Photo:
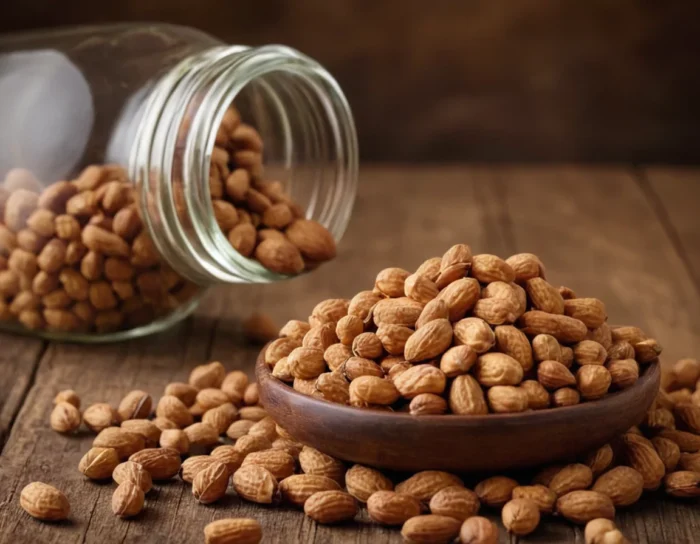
x=19 y=358
x=597 y=233
x=585 y=225
x=675 y=193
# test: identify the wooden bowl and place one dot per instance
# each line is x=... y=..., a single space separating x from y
x=496 y=442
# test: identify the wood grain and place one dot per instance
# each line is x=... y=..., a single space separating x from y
x=674 y=194
x=594 y=228
x=597 y=233
x=480 y=80
x=19 y=358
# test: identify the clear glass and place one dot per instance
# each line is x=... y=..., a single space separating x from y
x=151 y=99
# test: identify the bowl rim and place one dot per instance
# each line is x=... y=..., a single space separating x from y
x=565 y=414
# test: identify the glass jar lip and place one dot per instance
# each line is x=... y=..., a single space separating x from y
x=226 y=71
x=197 y=161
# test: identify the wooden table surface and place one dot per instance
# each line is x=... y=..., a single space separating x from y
x=628 y=235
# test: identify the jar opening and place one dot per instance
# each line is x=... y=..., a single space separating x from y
x=310 y=146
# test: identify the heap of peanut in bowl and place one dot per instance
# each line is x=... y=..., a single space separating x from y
x=463 y=334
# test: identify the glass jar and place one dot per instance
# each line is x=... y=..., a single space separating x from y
x=134 y=175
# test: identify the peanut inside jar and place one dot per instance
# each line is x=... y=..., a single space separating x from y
x=75 y=257
x=255 y=211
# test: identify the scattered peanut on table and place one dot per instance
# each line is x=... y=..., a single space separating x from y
x=265 y=465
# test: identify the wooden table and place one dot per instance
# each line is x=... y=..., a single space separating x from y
x=630 y=236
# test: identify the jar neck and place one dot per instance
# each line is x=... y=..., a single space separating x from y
x=310 y=144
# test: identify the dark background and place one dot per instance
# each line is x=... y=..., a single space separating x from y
x=479 y=80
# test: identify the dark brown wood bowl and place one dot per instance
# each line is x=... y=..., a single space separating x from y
x=496 y=442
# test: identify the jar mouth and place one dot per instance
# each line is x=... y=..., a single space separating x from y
x=299 y=109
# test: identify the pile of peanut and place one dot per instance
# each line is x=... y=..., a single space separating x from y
x=77 y=258
x=464 y=334
x=266 y=465
x=258 y=216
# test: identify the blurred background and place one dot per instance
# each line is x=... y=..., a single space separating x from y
x=479 y=80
